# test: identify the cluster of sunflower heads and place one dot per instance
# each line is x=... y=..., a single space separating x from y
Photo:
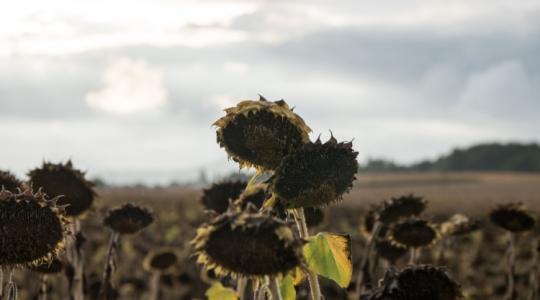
x=247 y=244
x=513 y=217
x=292 y=172
x=422 y=282
x=399 y=226
x=33 y=228
x=271 y=137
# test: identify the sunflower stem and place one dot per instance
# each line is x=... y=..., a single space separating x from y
x=12 y=287
x=413 y=256
x=261 y=292
x=241 y=285
x=365 y=258
x=511 y=260
x=442 y=248
x=314 y=286
x=534 y=276
x=274 y=289
x=1 y=282
x=42 y=287
x=154 y=286
x=75 y=256
x=110 y=266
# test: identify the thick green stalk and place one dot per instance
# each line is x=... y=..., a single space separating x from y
x=314 y=285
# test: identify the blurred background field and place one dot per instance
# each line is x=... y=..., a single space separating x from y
x=474 y=260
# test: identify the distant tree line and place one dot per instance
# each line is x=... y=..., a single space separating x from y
x=483 y=157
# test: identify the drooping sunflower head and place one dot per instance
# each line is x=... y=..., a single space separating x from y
x=9 y=182
x=389 y=250
x=414 y=232
x=260 y=133
x=370 y=218
x=64 y=180
x=421 y=282
x=401 y=207
x=316 y=174
x=55 y=266
x=33 y=229
x=255 y=195
x=460 y=224
x=161 y=261
x=128 y=218
x=514 y=217
x=247 y=244
x=217 y=197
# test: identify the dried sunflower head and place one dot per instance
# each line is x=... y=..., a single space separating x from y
x=66 y=181
x=316 y=174
x=247 y=244
x=514 y=217
x=401 y=207
x=414 y=232
x=217 y=197
x=389 y=250
x=33 y=229
x=128 y=218
x=160 y=261
x=370 y=219
x=260 y=133
x=54 y=266
x=459 y=224
x=254 y=194
x=9 y=182
x=421 y=282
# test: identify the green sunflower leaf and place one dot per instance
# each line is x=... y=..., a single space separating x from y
x=329 y=255
x=218 y=292
x=286 y=286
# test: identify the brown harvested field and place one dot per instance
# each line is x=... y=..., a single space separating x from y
x=471 y=192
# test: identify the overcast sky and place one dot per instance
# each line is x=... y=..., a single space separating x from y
x=128 y=89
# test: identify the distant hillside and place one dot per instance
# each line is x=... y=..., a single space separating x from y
x=483 y=157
